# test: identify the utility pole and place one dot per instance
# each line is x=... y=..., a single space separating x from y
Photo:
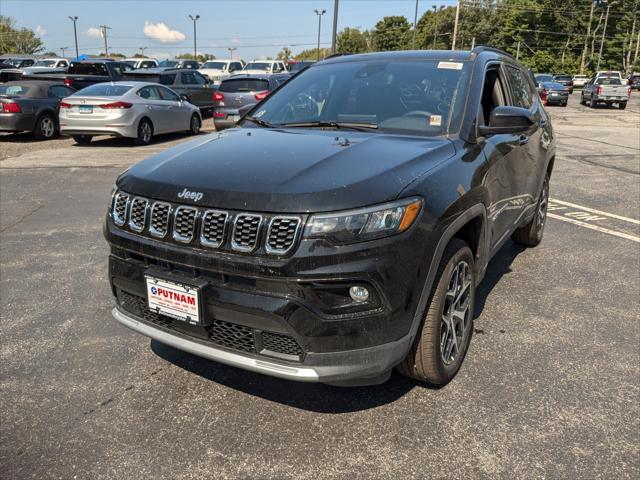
x=231 y=49
x=63 y=49
x=473 y=43
x=455 y=26
x=334 y=35
x=518 y=51
x=75 y=33
x=319 y=13
x=633 y=33
x=195 y=50
x=415 y=25
x=435 y=32
x=604 y=30
x=103 y=31
x=583 y=62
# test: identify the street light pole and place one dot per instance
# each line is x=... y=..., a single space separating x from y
x=63 y=49
x=415 y=24
x=75 y=33
x=103 y=29
x=195 y=50
x=455 y=26
x=435 y=32
x=319 y=13
x=583 y=61
x=606 y=18
x=142 y=49
x=231 y=49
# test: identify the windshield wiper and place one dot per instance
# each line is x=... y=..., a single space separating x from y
x=257 y=121
x=332 y=124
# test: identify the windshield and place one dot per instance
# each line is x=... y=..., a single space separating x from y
x=563 y=77
x=88 y=69
x=44 y=63
x=407 y=97
x=214 y=65
x=258 y=66
x=168 y=63
x=131 y=63
x=544 y=78
x=103 y=90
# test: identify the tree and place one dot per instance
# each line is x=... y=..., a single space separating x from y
x=200 y=57
x=436 y=25
x=284 y=54
x=312 y=54
x=351 y=40
x=14 y=40
x=391 y=33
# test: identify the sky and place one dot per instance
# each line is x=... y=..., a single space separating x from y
x=256 y=29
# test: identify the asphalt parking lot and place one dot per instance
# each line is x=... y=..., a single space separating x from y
x=550 y=387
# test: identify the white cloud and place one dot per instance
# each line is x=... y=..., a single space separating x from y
x=162 y=33
x=93 y=32
x=40 y=30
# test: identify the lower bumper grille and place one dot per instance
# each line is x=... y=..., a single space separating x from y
x=224 y=334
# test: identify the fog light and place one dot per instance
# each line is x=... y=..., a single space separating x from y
x=359 y=294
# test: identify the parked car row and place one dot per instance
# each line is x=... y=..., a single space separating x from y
x=603 y=88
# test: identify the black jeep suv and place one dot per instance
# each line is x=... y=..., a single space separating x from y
x=341 y=230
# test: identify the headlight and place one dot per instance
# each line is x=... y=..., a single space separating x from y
x=365 y=223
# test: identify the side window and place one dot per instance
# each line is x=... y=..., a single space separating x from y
x=492 y=95
x=188 y=78
x=200 y=80
x=63 y=63
x=168 y=95
x=149 y=93
x=60 y=91
x=521 y=95
x=167 y=79
x=191 y=65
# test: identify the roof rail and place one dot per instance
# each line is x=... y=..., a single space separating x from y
x=484 y=48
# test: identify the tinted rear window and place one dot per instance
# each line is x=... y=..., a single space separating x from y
x=168 y=79
x=244 y=85
x=563 y=77
x=104 y=90
x=214 y=65
x=88 y=69
x=608 y=81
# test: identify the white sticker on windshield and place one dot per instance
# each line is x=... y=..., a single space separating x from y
x=435 y=120
x=450 y=65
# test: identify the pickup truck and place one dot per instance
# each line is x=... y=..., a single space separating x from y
x=607 y=90
x=85 y=73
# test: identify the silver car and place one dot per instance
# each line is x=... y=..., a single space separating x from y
x=137 y=110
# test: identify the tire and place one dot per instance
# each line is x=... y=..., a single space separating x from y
x=622 y=105
x=582 y=102
x=531 y=233
x=145 y=132
x=432 y=358
x=46 y=127
x=194 y=125
x=82 y=139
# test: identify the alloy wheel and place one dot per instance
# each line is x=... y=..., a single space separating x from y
x=455 y=318
x=195 y=125
x=541 y=214
x=145 y=132
x=47 y=127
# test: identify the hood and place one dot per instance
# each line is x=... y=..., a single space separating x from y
x=288 y=171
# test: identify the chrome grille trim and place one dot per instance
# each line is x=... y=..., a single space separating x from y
x=237 y=242
x=153 y=225
x=271 y=243
x=207 y=242
x=136 y=223
x=191 y=218
x=120 y=207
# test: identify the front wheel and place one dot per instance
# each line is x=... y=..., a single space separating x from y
x=531 y=233
x=145 y=132
x=582 y=102
x=622 y=105
x=442 y=343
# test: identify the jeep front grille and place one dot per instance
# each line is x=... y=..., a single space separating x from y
x=119 y=213
x=213 y=228
x=138 y=215
x=241 y=232
x=159 y=225
x=245 y=232
x=282 y=234
x=184 y=224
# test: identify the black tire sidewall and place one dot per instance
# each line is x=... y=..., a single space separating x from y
x=191 y=129
x=139 y=138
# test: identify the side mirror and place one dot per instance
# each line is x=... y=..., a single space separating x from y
x=507 y=120
x=242 y=111
x=184 y=98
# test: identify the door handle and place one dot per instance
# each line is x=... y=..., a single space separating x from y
x=523 y=140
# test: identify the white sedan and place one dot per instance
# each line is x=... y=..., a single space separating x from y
x=137 y=110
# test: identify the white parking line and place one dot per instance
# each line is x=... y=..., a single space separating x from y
x=597 y=228
x=598 y=212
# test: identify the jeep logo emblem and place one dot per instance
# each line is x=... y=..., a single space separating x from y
x=195 y=196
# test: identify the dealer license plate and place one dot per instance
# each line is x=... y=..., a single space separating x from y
x=86 y=108
x=174 y=300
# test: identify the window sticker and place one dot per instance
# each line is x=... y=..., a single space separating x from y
x=435 y=120
x=450 y=65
